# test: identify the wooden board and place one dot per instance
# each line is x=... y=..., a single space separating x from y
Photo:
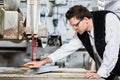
x=57 y=73
x=71 y=70
x=53 y=72
x=50 y=75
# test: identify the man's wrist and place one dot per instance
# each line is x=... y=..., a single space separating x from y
x=46 y=60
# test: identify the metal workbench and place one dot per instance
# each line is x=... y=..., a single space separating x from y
x=43 y=73
x=39 y=77
x=44 y=79
x=45 y=76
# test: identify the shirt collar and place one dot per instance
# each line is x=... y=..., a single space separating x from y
x=91 y=33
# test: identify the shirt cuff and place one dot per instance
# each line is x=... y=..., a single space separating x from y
x=52 y=58
x=103 y=72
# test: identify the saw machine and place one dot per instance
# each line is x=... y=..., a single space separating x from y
x=12 y=45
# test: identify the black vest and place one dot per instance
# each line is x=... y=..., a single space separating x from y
x=99 y=35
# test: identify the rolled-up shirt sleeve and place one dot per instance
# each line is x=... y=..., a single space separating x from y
x=111 y=52
x=66 y=49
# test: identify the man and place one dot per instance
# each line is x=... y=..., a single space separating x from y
x=99 y=32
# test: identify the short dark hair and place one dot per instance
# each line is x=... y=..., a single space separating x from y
x=79 y=12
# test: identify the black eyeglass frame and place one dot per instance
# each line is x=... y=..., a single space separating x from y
x=77 y=23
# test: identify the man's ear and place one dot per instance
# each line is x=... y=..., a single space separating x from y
x=86 y=20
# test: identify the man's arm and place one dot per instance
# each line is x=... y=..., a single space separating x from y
x=111 y=52
x=60 y=53
x=37 y=64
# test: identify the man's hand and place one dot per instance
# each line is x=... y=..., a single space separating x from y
x=33 y=64
x=92 y=75
x=37 y=64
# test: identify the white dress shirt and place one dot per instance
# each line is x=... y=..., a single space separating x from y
x=111 y=52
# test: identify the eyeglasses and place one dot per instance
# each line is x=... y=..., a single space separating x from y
x=77 y=23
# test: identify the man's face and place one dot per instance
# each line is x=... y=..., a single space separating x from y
x=79 y=26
